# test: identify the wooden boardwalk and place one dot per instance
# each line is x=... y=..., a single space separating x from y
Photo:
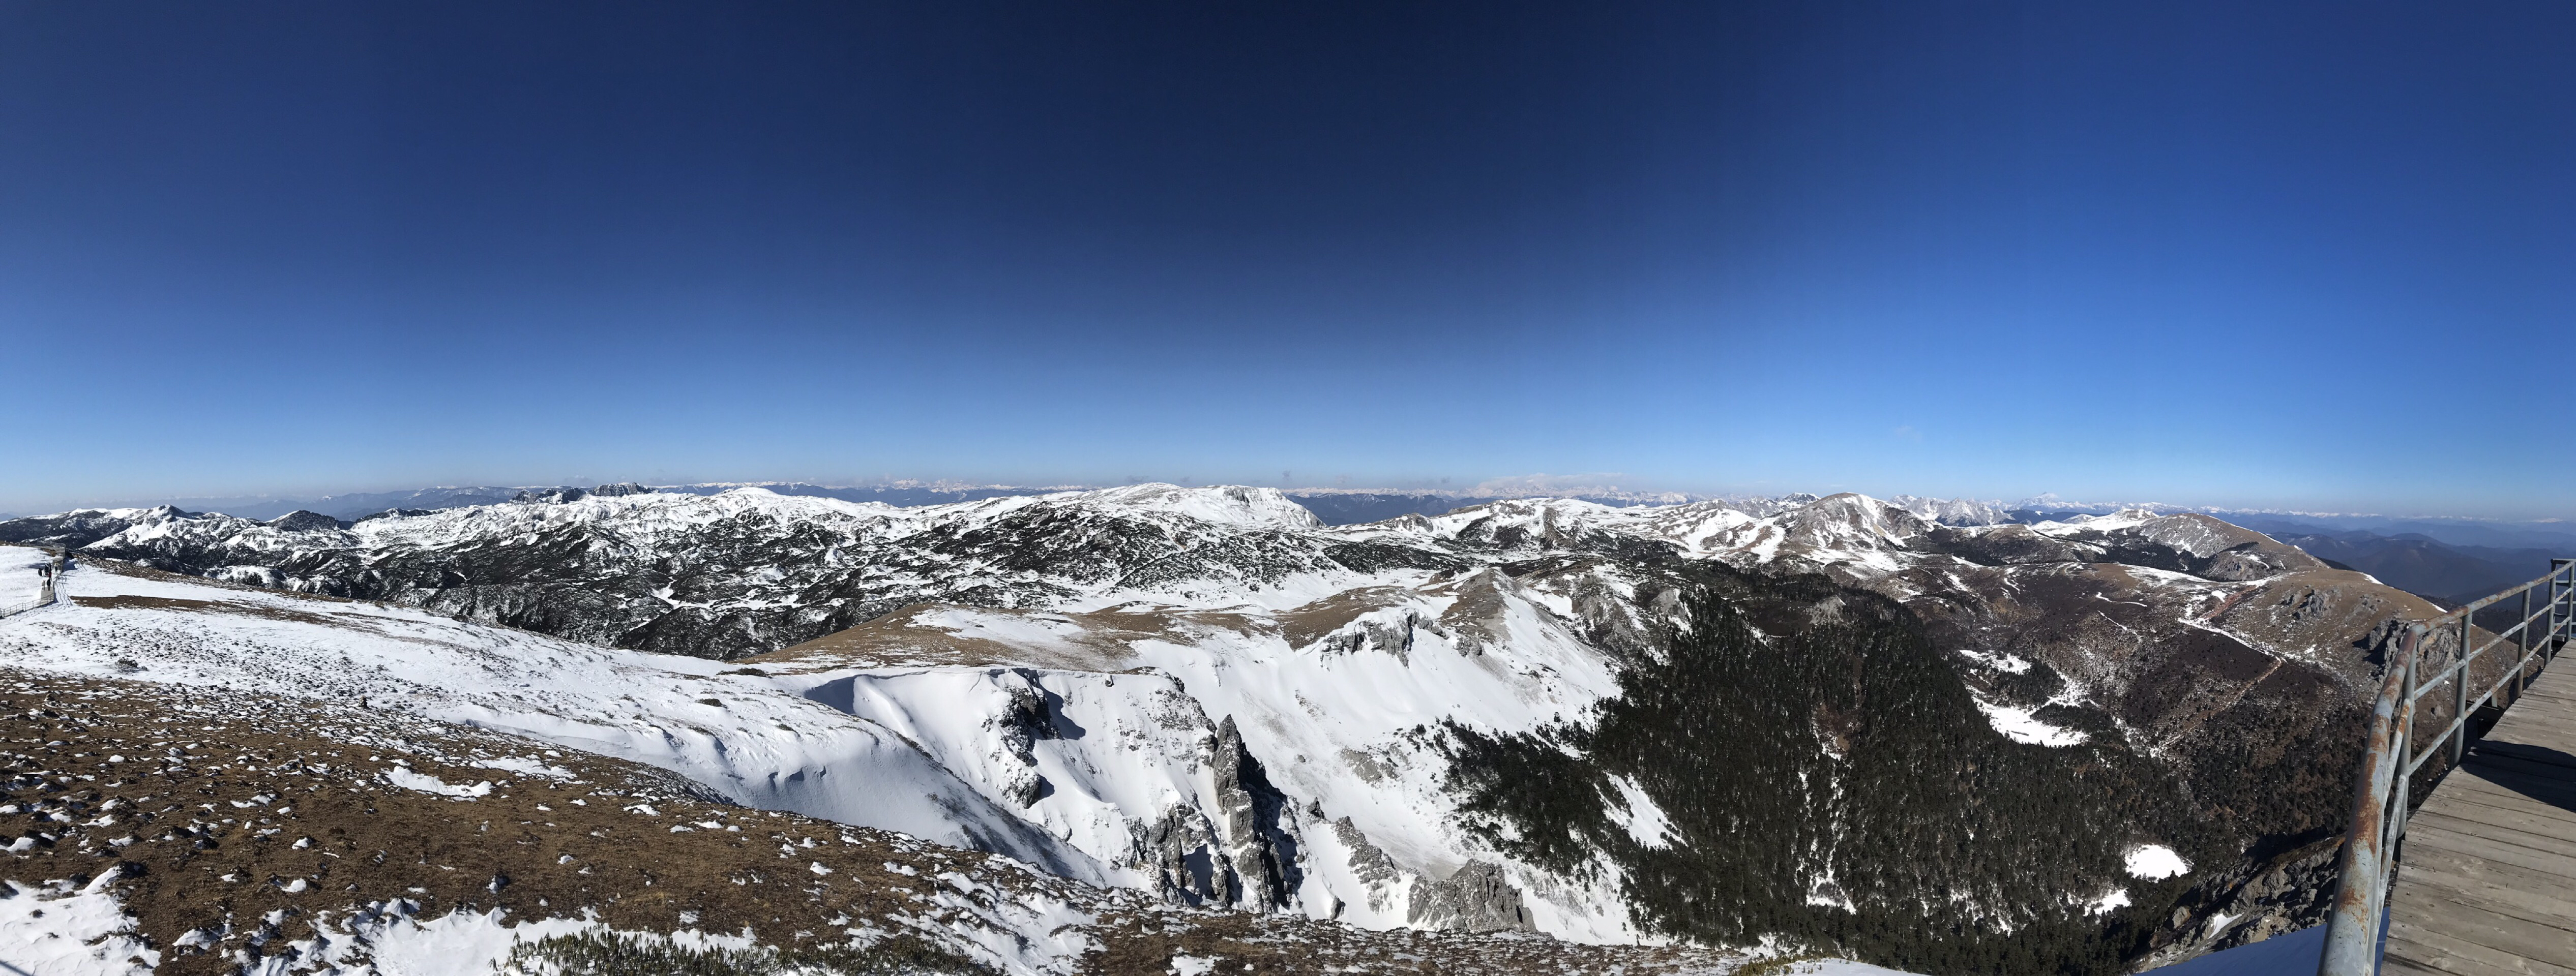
x=2486 y=883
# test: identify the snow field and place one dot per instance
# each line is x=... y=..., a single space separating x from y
x=57 y=930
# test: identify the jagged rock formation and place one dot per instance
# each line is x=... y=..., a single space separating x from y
x=1478 y=898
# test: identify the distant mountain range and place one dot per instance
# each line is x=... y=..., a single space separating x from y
x=357 y=505
x=1352 y=506
x=2446 y=573
x=2446 y=560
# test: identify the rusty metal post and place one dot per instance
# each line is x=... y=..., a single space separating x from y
x=2460 y=690
x=2403 y=789
x=2522 y=648
x=2361 y=887
x=2558 y=591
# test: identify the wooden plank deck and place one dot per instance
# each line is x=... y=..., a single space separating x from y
x=2487 y=881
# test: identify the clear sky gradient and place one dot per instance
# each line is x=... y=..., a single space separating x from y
x=2317 y=256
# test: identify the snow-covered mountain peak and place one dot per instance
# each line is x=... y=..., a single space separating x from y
x=1701 y=527
x=1237 y=506
x=2125 y=518
x=635 y=517
x=2219 y=550
x=1531 y=523
x=302 y=520
x=1846 y=525
x=1835 y=529
x=1954 y=511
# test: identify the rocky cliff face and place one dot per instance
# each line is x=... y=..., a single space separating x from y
x=1835 y=720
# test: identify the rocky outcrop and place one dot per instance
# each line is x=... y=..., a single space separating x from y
x=1369 y=865
x=1476 y=616
x=1261 y=843
x=1479 y=897
x=2248 y=903
x=1240 y=850
x=1023 y=720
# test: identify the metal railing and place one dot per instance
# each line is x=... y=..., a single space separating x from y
x=44 y=590
x=2381 y=798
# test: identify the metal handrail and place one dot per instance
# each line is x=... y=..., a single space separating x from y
x=45 y=587
x=44 y=592
x=2381 y=797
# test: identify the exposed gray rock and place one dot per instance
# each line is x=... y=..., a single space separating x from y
x=1477 y=616
x=1017 y=728
x=1384 y=637
x=1178 y=850
x=1242 y=854
x=2289 y=892
x=1368 y=863
x=1260 y=831
x=1478 y=898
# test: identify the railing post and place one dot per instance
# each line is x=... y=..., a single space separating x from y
x=2558 y=592
x=2419 y=639
x=2460 y=690
x=2522 y=647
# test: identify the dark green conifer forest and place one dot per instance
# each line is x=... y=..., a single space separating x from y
x=1797 y=730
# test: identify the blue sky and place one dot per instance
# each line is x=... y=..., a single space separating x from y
x=2313 y=256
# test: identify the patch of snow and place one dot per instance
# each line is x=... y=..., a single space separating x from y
x=409 y=780
x=525 y=765
x=55 y=931
x=2156 y=862
x=461 y=943
x=2020 y=725
x=2006 y=663
x=1843 y=967
x=2116 y=899
x=1641 y=818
